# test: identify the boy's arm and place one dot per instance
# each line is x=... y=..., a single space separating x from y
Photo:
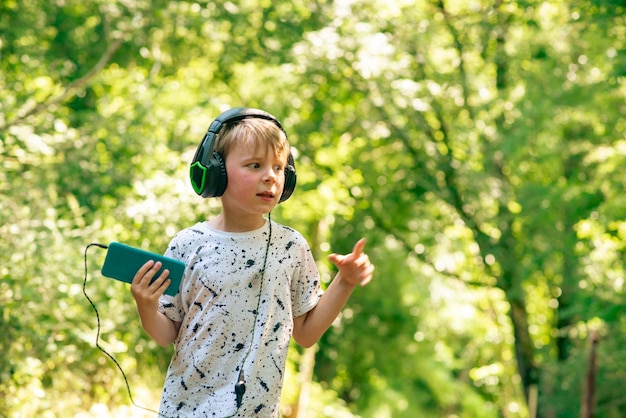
x=354 y=268
x=158 y=326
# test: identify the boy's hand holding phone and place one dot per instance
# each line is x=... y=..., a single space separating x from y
x=147 y=291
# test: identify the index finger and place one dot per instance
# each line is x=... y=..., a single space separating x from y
x=143 y=270
x=358 y=247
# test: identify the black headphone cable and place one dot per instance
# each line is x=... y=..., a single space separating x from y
x=117 y=364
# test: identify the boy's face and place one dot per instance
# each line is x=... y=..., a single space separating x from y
x=255 y=180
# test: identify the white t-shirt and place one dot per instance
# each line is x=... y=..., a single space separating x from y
x=217 y=306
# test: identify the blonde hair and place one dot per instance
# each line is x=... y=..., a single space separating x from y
x=253 y=132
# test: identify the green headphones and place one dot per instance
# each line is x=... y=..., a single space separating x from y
x=208 y=169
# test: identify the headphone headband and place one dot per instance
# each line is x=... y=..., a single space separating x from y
x=208 y=168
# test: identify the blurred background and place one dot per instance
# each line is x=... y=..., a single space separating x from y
x=478 y=145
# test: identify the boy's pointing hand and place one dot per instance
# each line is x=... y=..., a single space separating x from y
x=355 y=268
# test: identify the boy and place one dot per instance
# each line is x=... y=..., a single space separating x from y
x=250 y=283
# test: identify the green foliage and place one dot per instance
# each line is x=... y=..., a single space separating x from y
x=478 y=146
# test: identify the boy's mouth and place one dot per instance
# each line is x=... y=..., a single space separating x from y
x=266 y=194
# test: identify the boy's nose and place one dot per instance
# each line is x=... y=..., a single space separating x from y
x=270 y=174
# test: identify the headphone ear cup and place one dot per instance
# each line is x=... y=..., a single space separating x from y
x=221 y=177
x=290 y=179
x=216 y=177
x=210 y=179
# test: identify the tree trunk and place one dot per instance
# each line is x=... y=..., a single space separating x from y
x=587 y=409
x=305 y=378
x=523 y=346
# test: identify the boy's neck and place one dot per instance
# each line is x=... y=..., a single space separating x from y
x=228 y=224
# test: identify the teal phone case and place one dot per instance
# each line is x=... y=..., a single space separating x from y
x=122 y=262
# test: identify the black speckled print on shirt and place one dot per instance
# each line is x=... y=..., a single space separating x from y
x=217 y=307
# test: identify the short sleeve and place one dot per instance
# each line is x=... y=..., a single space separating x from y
x=306 y=290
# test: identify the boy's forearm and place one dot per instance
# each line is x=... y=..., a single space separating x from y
x=319 y=319
x=159 y=327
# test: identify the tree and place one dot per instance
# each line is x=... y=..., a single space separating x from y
x=478 y=146
x=477 y=114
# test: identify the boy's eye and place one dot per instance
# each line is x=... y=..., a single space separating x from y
x=278 y=167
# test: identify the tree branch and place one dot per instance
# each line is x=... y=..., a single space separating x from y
x=30 y=109
x=384 y=226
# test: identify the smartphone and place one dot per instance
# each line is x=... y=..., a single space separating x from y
x=122 y=262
